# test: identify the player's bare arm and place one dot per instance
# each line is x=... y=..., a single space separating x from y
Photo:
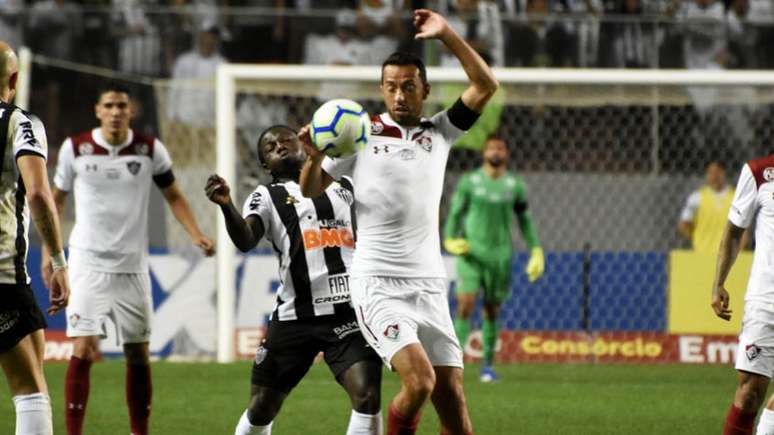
x=313 y=180
x=431 y=25
x=182 y=211
x=730 y=245
x=685 y=228
x=245 y=233
x=60 y=199
x=44 y=216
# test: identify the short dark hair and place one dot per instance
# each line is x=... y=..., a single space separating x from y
x=273 y=129
x=112 y=86
x=720 y=164
x=404 y=58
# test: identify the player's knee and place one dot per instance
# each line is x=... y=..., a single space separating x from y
x=136 y=354
x=366 y=400
x=86 y=348
x=264 y=406
x=750 y=395
x=420 y=383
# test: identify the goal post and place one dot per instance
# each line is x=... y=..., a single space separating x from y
x=649 y=105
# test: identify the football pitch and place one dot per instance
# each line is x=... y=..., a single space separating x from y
x=196 y=398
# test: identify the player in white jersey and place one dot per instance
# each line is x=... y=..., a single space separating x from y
x=398 y=278
x=313 y=240
x=753 y=202
x=23 y=189
x=110 y=170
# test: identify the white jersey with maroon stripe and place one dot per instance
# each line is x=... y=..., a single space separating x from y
x=112 y=188
x=754 y=202
x=398 y=179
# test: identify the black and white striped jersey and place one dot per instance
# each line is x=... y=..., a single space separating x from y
x=21 y=133
x=314 y=240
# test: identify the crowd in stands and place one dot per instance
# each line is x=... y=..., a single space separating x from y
x=148 y=37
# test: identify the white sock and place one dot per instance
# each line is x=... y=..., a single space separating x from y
x=245 y=428
x=365 y=424
x=766 y=423
x=33 y=414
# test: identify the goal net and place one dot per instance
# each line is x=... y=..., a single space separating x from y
x=609 y=158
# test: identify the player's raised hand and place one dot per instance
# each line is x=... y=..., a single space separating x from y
x=305 y=136
x=58 y=290
x=217 y=190
x=205 y=244
x=720 y=303
x=429 y=24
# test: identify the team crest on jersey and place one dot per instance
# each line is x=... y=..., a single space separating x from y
x=345 y=195
x=134 y=167
x=392 y=331
x=291 y=200
x=86 y=149
x=426 y=143
x=260 y=355
x=377 y=127
x=752 y=351
x=768 y=174
x=141 y=148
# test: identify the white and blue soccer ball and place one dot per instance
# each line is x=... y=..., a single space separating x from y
x=340 y=128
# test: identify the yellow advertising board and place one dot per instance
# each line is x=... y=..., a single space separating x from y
x=690 y=292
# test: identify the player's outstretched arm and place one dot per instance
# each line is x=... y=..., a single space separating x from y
x=245 y=233
x=313 y=180
x=452 y=242
x=730 y=245
x=431 y=25
x=44 y=215
x=182 y=211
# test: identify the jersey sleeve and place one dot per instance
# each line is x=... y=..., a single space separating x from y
x=29 y=135
x=691 y=207
x=459 y=204
x=65 y=171
x=162 y=166
x=339 y=167
x=745 y=203
x=259 y=204
x=448 y=130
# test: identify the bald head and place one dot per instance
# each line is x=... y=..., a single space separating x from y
x=9 y=70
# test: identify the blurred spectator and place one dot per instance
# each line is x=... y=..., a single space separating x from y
x=379 y=23
x=480 y=23
x=741 y=36
x=55 y=28
x=259 y=35
x=11 y=20
x=543 y=39
x=705 y=213
x=627 y=43
x=192 y=99
x=343 y=47
x=704 y=43
x=139 y=39
x=97 y=30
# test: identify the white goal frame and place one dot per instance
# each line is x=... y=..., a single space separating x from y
x=229 y=74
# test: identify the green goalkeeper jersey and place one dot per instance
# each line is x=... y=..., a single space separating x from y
x=481 y=212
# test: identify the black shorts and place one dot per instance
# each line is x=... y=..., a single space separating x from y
x=19 y=315
x=290 y=347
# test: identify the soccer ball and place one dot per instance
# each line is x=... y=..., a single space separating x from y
x=340 y=128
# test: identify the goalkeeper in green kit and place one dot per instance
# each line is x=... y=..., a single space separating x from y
x=478 y=230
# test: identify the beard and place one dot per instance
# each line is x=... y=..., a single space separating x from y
x=495 y=162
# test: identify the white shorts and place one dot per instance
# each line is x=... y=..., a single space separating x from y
x=124 y=298
x=755 y=353
x=396 y=312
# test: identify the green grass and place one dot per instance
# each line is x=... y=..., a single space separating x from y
x=530 y=399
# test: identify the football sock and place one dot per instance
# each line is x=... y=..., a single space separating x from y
x=138 y=396
x=365 y=424
x=766 y=423
x=462 y=328
x=739 y=422
x=77 y=386
x=33 y=414
x=489 y=332
x=244 y=427
x=397 y=424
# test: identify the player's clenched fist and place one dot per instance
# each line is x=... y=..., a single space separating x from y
x=217 y=190
x=720 y=303
x=310 y=148
x=59 y=290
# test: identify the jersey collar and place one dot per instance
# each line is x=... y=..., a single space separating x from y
x=387 y=119
x=99 y=138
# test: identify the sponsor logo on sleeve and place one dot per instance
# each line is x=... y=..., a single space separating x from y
x=255 y=201
x=28 y=135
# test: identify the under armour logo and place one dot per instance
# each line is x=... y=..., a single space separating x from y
x=385 y=148
x=91 y=168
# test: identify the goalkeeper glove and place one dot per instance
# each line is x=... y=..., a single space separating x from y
x=456 y=246
x=536 y=264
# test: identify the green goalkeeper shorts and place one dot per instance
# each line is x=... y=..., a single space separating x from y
x=492 y=277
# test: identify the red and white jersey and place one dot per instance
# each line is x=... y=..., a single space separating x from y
x=398 y=180
x=111 y=185
x=754 y=202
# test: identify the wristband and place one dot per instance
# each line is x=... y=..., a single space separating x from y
x=58 y=261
